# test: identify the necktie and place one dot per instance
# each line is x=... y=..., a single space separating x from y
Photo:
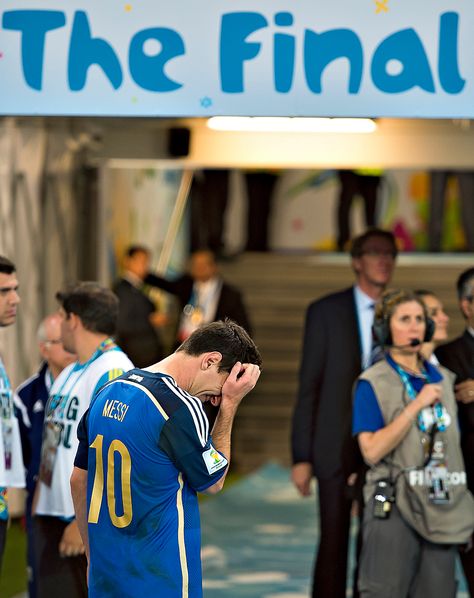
x=376 y=350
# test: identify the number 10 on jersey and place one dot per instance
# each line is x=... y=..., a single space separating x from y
x=116 y=446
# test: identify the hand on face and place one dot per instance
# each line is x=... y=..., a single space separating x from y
x=242 y=378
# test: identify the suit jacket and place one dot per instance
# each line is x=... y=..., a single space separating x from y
x=331 y=362
x=458 y=356
x=229 y=305
x=136 y=336
x=30 y=399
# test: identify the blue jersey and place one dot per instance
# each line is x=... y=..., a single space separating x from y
x=149 y=453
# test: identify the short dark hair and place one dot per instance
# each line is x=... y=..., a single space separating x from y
x=464 y=283
x=6 y=266
x=226 y=337
x=133 y=249
x=359 y=242
x=96 y=306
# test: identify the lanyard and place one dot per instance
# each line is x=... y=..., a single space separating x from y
x=7 y=410
x=436 y=409
x=56 y=399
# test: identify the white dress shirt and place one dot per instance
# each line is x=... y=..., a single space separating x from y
x=365 y=317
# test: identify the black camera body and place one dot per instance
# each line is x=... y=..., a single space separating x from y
x=384 y=497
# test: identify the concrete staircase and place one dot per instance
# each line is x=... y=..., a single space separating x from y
x=277 y=289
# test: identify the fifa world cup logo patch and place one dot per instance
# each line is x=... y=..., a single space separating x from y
x=214 y=460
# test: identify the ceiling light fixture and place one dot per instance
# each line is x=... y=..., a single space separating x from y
x=283 y=124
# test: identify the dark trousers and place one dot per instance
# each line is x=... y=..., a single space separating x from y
x=3 y=539
x=260 y=186
x=439 y=180
x=398 y=563
x=30 y=553
x=330 y=571
x=353 y=184
x=57 y=576
x=467 y=557
x=467 y=560
x=208 y=198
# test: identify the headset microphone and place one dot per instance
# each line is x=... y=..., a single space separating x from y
x=415 y=342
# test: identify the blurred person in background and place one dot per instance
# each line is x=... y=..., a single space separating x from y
x=458 y=356
x=338 y=345
x=436 y=312
x=139 y=321
x=418 y=509
x=203 y=297
x=11 y=463
x=30 y=399
x=364 y=183
x=88 y=314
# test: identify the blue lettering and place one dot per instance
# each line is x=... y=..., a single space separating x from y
x=148 y=71
x=284 y=54
x=322 y=48
x=85 y=51
x=406 y=47
x=235 y=50
x=34 y=24
x=448 y=70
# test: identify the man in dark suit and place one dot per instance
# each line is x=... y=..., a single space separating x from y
x=458 y=356
x=203 y=295
x=138 y=323
x=337 y=346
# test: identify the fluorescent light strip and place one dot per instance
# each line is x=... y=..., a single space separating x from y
x=271 y=124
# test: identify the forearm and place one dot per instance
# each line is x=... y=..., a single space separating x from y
x=221 y=440
x=240 y=381
x=79 y=494
x=377 y=445
x=222 y=431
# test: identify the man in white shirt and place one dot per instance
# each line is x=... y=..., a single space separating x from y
x=11 y=462
x=88 y=320
x=337 y=347
x=30 y=400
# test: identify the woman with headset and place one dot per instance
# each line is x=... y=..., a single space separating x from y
x=418 y=509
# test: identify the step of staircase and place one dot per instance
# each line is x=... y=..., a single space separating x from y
x=277 y=289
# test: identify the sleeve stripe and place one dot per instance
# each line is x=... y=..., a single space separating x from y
x=197 y=403
x=199 y=421
x=26 y=382
x=22 y=408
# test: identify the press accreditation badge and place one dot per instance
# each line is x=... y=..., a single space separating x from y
x=49 y=451
x=191 y=319
x=436 y=475
x=214 y=461
x=6 y=414
x=7 y=434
